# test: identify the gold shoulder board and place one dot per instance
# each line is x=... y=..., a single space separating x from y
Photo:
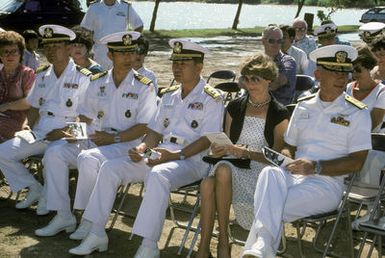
x=98 y=75
x=306 y=97
x=169 y=89
x=41 y=68
x=143 y=79
x=212 y=92
x=355 y=102
x=84 y=71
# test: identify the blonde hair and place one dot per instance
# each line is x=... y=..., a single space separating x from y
x=260 y=65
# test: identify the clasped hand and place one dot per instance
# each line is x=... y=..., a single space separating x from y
x=301 y=167
x=165 y=155
x=101 y=138
x=227 y=149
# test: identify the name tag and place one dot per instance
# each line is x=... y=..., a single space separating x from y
x=121 y=14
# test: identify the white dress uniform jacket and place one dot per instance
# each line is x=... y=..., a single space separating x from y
x=57 y=100
x=320 y=131
x=104 y=20
x=112 y=109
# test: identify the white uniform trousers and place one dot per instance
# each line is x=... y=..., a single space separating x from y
x=100 y=56
x=57 y=161
x=12 y=152
x=161 y=180
x=371 y=170
x=112 y=174
x=282 y=197
x=89 y=163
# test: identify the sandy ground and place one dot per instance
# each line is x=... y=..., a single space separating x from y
x=17 y=226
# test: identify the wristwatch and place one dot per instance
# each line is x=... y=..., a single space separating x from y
x=181 y=156
x=117 y=138
x=317 y=167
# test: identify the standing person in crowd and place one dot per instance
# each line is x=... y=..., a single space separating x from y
x=80 y=50
x=15 y=83
x=327 y=34
x=106 y=17
x=298 y=54
x=142 y=51
x=185 y=114
x=254 y=120
x=117 y=108
x=283 y=88
x=303 y=41
x=329 y=137
x=372 y=93
x=30 y=57
x=58 y=89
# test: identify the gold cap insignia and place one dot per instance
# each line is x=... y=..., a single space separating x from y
x=127 y=39
x=177 y=47
x=341 y=56
x=48 y=32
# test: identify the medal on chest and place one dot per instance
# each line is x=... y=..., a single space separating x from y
x=194 y=124
x=100 y=115
x=69 y=103
x=127 y=114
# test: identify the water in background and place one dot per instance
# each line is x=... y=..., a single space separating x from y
x=191 y=15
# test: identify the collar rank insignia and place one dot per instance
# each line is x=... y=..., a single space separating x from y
x=166 y=122
x=340 y=120
x=194 y=124
x=69 y=103
x=127 y=114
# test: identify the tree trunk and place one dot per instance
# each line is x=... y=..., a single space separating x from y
x=154 y=13
x=300 y=5
x=236 y=19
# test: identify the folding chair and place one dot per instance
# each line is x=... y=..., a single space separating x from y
x=229 y=90
x=319 y=221
x=303 y=83
x=222 y=75
x=187 y=190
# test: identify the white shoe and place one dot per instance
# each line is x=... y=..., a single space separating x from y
x=41 y=208
x=82 y=231
x=91 y=243
x=32 y=197
x=260 y=249
x=56 y=225
x=145 y=252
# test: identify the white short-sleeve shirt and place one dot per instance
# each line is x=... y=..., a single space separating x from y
x=118 y=108
x=324 y=133
x=57 y=98
x=190 y=118
x=375 y=99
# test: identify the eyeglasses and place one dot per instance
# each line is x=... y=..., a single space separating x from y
x=249 y=79
x=13 y=52
x=274 y=41
x=300 y=29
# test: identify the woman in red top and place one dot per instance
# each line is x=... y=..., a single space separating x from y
x=15 y=82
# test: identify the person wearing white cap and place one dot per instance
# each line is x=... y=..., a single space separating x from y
x=58 y=89
x=328 y=137
x=119 y=104
x=106 y=17
x=370 y=30
x=327 y=34
x=185 y=114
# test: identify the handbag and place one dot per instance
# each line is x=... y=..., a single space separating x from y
x=239 y=163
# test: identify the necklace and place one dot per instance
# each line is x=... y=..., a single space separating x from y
x=259 y=105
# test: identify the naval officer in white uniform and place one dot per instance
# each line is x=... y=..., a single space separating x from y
x=118 y=105
x=106 y=17
x=185 y=113
x=329 y=137
x=56 y=93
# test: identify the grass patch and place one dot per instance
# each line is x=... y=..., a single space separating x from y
x=207 y=33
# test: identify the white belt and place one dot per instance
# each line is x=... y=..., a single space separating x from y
x=174 y=139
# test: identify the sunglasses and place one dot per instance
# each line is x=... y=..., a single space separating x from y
x=249 y=79
x=274 y=41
